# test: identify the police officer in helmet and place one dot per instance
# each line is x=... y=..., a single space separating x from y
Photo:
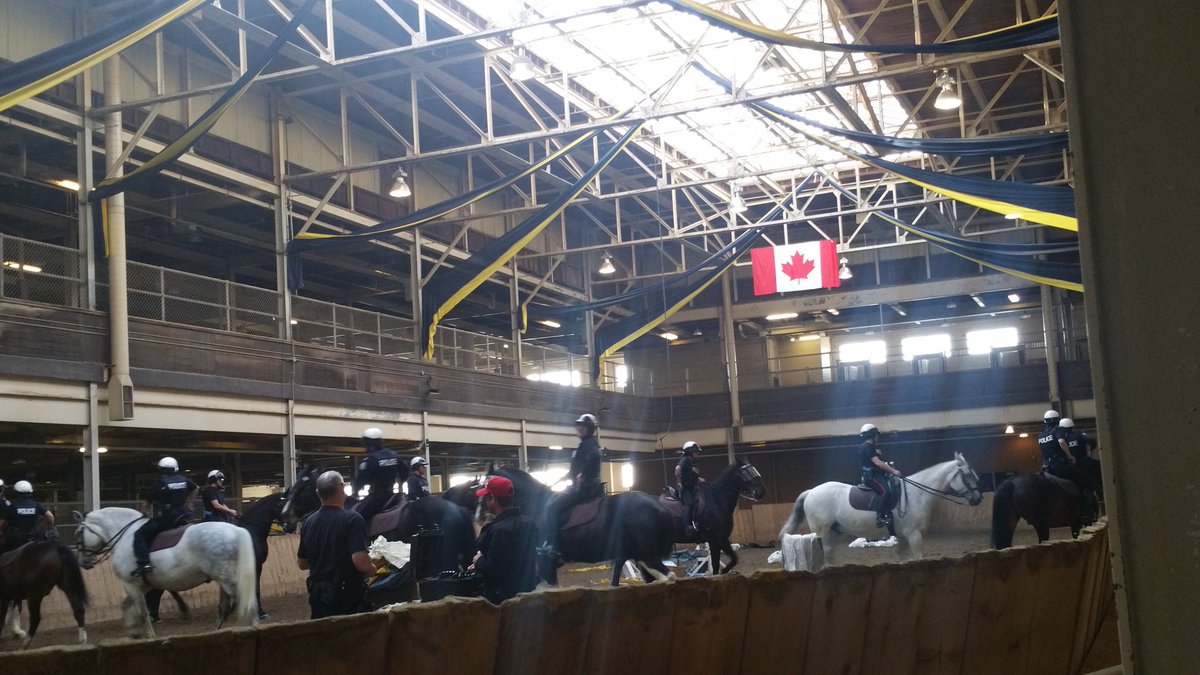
x=167 y=499
x=1056 y=456
x=1086 y=469
x=584 y=474
x=418 y=481
x=213 y=498
x=22 y=516
x=875 y=471
x=380 y=470
x=687 y=478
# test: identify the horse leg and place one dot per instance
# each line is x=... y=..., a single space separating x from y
x=14 y=619
x=153 y=601
x=35 y=618
x=77 y=611
x=1042 y=528
x=714 y=558
x=654 y=570
x=136 y=612
x=618 y=564
x=916 y=544
x=224 y=607
x=263 y=614
x=184 y=611
x=733 y=556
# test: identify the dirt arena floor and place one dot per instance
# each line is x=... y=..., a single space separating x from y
x=295 y=607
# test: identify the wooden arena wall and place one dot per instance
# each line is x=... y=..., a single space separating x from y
x=1034 y=609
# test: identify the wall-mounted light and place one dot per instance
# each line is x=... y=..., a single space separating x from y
x=845 y=273
x=947 y=98
x=400 y=188
x=606 y=265
x=23 y=267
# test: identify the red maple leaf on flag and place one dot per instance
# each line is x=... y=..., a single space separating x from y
x=798 y=267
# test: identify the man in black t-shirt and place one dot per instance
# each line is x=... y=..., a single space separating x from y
x=507 y=548
x=213 y=498
x=333 y=548
x=169 y=498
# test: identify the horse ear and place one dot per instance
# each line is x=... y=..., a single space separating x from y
x=958 y=457
x=77 y=516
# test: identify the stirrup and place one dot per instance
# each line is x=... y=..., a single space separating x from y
x=143 y=570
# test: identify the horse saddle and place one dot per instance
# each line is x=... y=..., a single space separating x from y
x=168 y=538
x=674 y=506
x=1067 y=486
x=7 y=558
x=385 y=521
x=583 y=513
x=863 y=498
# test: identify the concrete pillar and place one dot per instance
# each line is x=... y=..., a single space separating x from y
x=120 y=385
x=1051 y=333
x=1133 y=103
x=91 y=454
x=729 y=340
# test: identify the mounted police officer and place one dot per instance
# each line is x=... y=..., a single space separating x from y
x=875 y=471
x=380 y=470
x=213 y=498
x=418 y=481
x=22 y=516
x=1056 y=456
x=687 y=478
x=167 y=499
x=585 y=478
x=1085 y=474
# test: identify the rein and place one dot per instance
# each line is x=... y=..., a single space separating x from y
x=951 y=497
x=106 y=548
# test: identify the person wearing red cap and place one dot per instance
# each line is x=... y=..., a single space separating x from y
x=507 y=557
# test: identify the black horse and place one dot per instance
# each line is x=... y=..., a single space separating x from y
x=454 y=521
x=1044 y=502
x=715 y=522
x=628 y=526
x=257 y=520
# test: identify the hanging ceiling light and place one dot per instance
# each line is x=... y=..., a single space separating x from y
x=522 y=69
x=947 y=98
x=845 y=272
x=1009 y=429
x=606 y=265
x=400 y=188
x=737 y=205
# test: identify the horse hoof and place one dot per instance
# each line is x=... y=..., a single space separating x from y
x=82 y=636
x=265 y=616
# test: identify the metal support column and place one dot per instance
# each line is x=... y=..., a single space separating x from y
x=1135 y=160
x=415 y=273
x=120 y=385
x=283 y=235
x=523 y=449
x=91 y=454
x=1050 y=333
x=514 y=302
x=729 y=340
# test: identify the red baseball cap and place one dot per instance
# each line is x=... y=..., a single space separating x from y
x=497 y=486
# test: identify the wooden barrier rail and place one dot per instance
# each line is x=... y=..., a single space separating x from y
x=1034 y=609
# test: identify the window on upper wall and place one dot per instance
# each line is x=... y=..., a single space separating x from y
x=874 y=351
x=924 y=345
x=984 y=341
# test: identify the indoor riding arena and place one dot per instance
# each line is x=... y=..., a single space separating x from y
x=840 y=336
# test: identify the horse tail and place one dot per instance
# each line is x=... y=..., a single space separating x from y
x=1002 y=516
x=247 y=577
x=72 y=577
x=796 y=518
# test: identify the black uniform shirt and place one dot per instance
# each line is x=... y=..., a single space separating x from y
x=210 y=494
x=328 y=541
x=380 y=470
x=689 y=475
x=23 y=515
x=170 y=492
x=867 y=451
x=418 y=486
x=1048 y=444
x=586 y=460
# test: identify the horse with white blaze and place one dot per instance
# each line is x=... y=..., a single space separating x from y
x=220 y=552
x=828 y=512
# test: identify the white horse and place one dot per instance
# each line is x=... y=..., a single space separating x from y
x=220 y=552
x=827 y=508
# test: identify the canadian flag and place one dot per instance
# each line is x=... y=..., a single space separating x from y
x=796 y=267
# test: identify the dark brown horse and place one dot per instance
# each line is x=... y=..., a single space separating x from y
x=29 y=573
x=1042 y=501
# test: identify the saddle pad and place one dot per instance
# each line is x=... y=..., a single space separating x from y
x=8 y=558
x=385 y=521
x=583 y=514
x=169 y=538
x=863 y=499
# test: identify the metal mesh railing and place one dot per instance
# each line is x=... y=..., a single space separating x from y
x=35 y=272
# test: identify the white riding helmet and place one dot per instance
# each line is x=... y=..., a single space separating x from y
x=23 y=487
x=868 y=430
x=168 y=464
x=1 y=485
x=1050 y=415
x=1066 y=423
x=587 y=420
x=418 y=461
x=692 y=446
x=215 y=474
x=373 y=434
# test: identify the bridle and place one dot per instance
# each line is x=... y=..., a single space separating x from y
x=951 y=495
x=746 y=474
x=99 y=555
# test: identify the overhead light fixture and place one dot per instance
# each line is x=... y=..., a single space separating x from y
x=101 y=450
x=1023 y=435
x=66 y=184
x=556 y=447
x=899 y=310
x=806 y=338
x=1013 y=297
x=697 y=333
x=1009 y=429
x=400 y=188
x=1012 y=216
x=606 y=265
x=978 y=300
x=737 y=205
x=23 y=267
x=782 y=317
x=551 y=324
x=668 y=336
x=947 y=98
x=293 y=322
x=833 y=311
x=522 y=69
x=845 y=272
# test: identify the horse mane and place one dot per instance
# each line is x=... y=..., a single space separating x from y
x=927 y=474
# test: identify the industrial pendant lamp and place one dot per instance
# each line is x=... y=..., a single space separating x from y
x=400 y=188
x=606 y=265
x=737 y=205
x=947 y=98
x=844 y=273
x=522 y=68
